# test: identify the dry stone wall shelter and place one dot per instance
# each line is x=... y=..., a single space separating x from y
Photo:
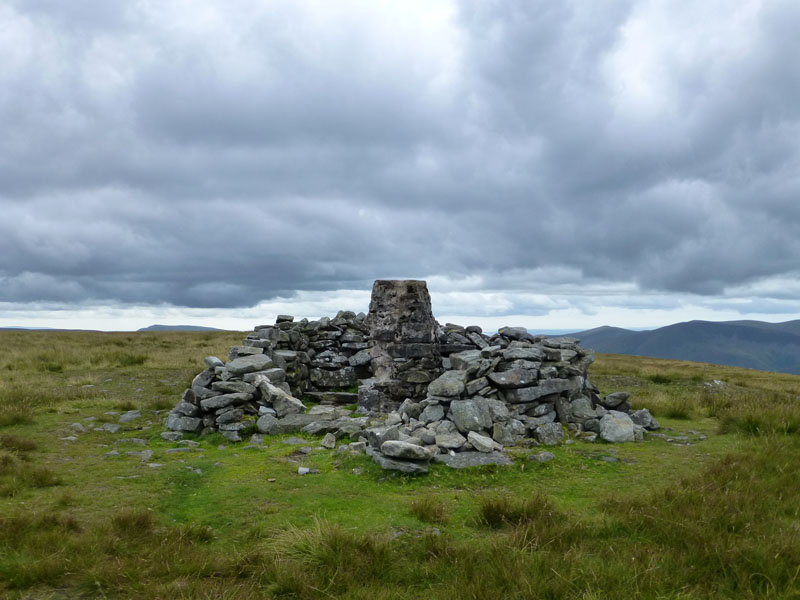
x=423 y=391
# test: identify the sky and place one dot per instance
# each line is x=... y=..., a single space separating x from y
x=547 y=163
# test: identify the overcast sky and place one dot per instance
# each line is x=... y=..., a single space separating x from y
x=554 y=164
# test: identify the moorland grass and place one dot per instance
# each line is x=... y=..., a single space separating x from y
x=718 y=519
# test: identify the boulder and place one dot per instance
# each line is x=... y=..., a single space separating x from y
x=471 y=415
x=217 y=402
x=643 y=418
x=233 y=387
x=376 y=436
x=248 y=364
x=481 y=443
x=450 y=384
x=615 y=399
x=508 y=433
x=448 y=437
x=549 y=434
x=463 y=360
x=431 y=413
x=514 y=378
x=463 y=460
x=177 y=422
x=398 y=449
x=397 y=464
x=283 y=403
x=616 y=427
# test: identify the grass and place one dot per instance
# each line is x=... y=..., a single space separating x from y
x=715 y=519
x=430 y=510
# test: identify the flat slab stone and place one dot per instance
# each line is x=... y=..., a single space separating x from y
x=463 y=460
x=395 y=464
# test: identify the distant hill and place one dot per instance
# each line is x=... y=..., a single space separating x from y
x=751 y=344
x=178 y=328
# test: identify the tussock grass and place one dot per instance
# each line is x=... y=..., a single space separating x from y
x=496 y=510
x=132 y=523
x=10 y=441
x=430 y=510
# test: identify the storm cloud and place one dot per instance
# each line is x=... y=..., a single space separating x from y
x=211 y=154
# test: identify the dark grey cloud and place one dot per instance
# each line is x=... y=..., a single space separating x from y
x=217 y=154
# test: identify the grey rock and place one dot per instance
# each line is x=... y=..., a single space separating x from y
x=267 y=424
x=544 y=388
x=276 y=376
x=233 y=387
x=248 y=364
x=514 y=333
x=592 y=425
x=448 y=437
x=234 y=426
x=396 y=464
x=177 y=422
x=360 y=358
x=450 y=384
x=135 y=441
x=212 y=362
x=616 y=427
x=329 y=441
x=508 y=433
x=514 y=378
x=481 y=443
x=498 y=411
x=376 y=436
x=471 y=415
x=398 y=449
x=476 y=385
x=463 y=460
x=581 y=409
x=530 y=353
x=143 y=455
x=615 y=399
x=79 y=427
x=643 y=418
x=463 y=360
x=433 y=412
x=131 y=415
x=217 y=402
x=543 y=456
x=339 y=378
x=549 y=434
x=410 y=408
x=230 y=416
x=231 y=436
x=186 y=409
x=203 y=379
x=171 y=436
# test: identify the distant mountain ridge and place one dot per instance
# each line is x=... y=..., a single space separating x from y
x=751 y=344
x=178 y=328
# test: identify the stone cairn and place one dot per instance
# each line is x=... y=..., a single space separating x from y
x=424 y=392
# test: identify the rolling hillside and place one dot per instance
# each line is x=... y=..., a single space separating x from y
x=751 y=344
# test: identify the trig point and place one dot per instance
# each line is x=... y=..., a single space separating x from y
x=403 y=348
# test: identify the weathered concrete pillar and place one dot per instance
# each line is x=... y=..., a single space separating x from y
x=403 y=347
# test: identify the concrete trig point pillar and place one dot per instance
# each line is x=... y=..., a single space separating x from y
x=403 y=347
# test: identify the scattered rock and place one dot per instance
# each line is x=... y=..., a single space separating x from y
x=543 y=456
x=463 y=460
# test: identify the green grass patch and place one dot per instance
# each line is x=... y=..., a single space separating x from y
x=713 y=519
